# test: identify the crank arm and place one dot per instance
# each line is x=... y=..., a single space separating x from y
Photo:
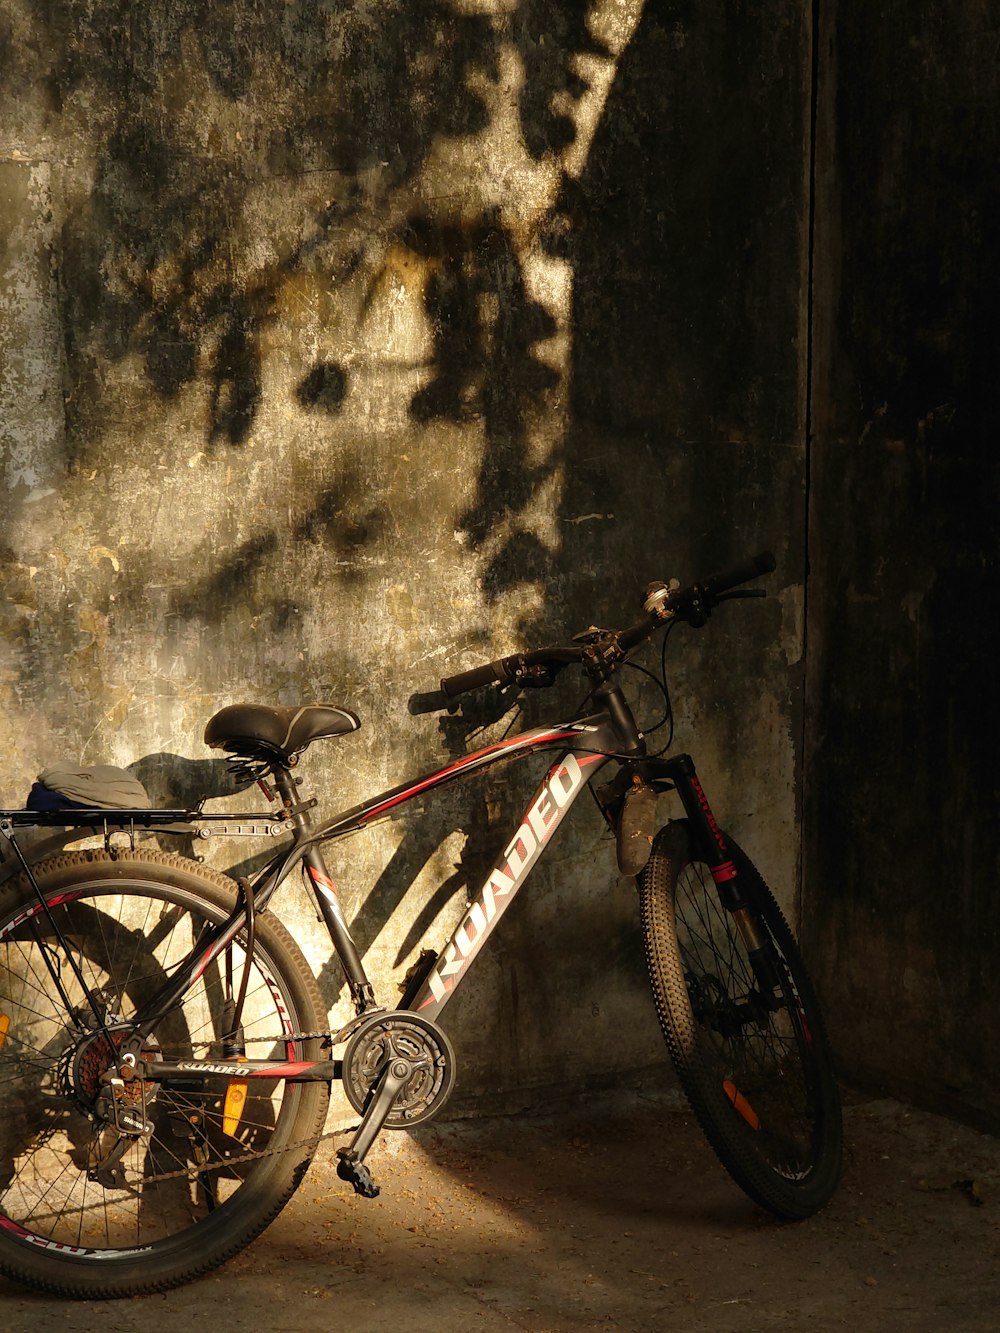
x=351 y=1166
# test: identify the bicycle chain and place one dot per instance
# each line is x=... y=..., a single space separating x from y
x=226 y=1162
x=326 y=1036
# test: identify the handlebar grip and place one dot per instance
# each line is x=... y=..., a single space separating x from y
x=746 y=570
x=490 y=673
x=430 y=701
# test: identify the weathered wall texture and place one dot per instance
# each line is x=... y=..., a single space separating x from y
x=902 y=811
x=343 y=345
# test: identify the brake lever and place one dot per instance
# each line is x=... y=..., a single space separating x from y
x=697 y=614
x=591 y=635
x=700 y=609
x=535 y=677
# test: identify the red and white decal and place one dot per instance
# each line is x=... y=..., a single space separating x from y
x=724 y=872
x=55 y=901
x=480 y=758
x=289 y=1069
x=45 y=1243
x=322 y=882
x=541 y=818
x=703 y=802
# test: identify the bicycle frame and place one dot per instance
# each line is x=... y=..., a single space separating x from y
x=564 y=781
x=551 y=802
x=600 y=738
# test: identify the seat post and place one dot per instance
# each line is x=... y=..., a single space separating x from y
x=326 y=895
x=287 y=790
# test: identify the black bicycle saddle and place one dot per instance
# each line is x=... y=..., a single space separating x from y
x=257 y=730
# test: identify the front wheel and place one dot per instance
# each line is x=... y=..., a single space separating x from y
x=747 y=1041
x=85 y=1210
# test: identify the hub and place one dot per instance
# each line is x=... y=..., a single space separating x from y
x=104 y=1083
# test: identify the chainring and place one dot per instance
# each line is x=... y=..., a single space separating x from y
x=406 y=1035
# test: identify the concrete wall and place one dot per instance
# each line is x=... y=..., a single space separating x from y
x=902 y=801
x=346 y=345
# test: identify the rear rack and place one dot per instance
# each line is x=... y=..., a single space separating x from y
x=184 y=823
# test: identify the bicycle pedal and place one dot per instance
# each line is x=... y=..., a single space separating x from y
x=358 y=1175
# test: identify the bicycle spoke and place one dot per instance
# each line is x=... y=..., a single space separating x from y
x=125 y=945
x=757 y=1050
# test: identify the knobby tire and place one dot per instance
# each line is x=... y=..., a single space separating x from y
x=758 y=1077
x=183 y=1208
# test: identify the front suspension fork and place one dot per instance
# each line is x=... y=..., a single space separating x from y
x=711 y=842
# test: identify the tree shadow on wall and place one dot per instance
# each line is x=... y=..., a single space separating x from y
x=210 y=108
x=343 y=518
x=159 y=266
x=486 y=330
x=161 y=262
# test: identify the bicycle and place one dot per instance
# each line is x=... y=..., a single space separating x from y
x=142 y=1145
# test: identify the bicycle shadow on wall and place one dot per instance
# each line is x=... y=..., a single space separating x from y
x=473 y=812
x=480 y=812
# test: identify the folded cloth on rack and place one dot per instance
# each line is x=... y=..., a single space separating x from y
x=101 y=787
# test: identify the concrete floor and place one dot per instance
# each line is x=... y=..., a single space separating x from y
x=613 y=1215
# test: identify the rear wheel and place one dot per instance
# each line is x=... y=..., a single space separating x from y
x=85 y=1211
x=749 y=1049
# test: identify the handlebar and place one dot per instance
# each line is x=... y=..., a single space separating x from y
x=601 y=651
x=490 y=673
x=517 y=666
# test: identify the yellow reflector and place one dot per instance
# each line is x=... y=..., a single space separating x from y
x=4 y=1028
x=741 y=1104
x=232 y=1109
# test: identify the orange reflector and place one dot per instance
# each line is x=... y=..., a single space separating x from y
x=232 y=1109
x=741 y=1104
x=4 y=1028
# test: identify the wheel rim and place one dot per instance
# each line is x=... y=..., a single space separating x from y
x=758 y=1057
x=125 y=938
